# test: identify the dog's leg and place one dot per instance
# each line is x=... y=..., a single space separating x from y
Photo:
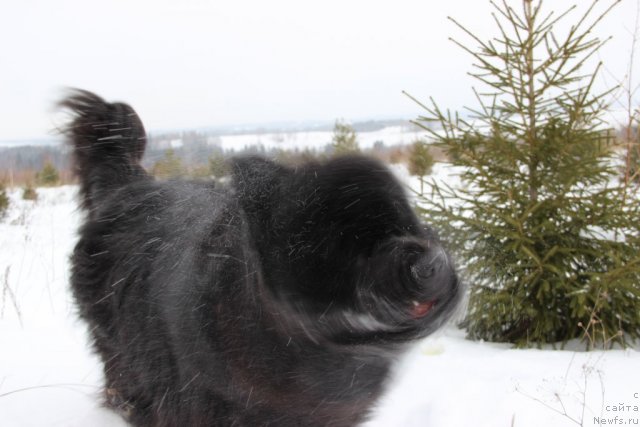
x=108 y=141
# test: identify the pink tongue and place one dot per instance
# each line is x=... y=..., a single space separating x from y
x=421 y=309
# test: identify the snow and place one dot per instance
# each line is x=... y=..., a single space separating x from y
x=449 y=381
x=49 y=377
x=318 y=140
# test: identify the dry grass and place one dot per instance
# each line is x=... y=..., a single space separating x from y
x=7 y=294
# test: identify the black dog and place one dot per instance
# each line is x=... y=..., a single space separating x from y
x=280 y=299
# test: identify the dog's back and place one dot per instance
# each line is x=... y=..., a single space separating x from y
x=279 y=299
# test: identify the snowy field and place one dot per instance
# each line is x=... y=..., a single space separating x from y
x=317 y=140
x=313 y=140
x=49 y=377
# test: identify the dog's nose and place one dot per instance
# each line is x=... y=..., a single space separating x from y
x=432 y=266
x=434 y=276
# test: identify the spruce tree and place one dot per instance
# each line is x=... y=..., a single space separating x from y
x=345 y=139
x=631 y=172
x=634 y=162
x=169 y=167
x=4 y=200
x=29 y=192
x=48 y=176
x=543 y=238
x=420 y=161
x=218 y=166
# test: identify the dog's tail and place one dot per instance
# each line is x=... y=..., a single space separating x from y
x=108 y=141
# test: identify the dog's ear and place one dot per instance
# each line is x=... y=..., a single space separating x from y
x=256 y=181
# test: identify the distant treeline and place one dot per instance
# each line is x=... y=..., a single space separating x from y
x=20 y=164
x=33 y=158
x=361 y=126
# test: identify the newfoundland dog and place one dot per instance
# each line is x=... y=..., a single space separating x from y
x=280 y=298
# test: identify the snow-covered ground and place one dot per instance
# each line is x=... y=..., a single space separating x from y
x=317 y=140
x=314 y=140
x=48 y=376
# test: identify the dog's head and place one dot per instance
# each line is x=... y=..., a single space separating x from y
x=341 y=246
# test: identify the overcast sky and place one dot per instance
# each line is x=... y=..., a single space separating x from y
x=195 y=63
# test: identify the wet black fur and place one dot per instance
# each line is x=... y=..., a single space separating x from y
x=278 y=299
